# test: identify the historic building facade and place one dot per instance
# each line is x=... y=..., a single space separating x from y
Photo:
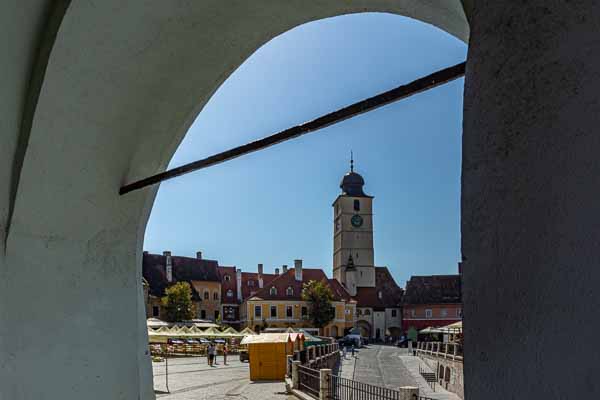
x=378 y=297
x=278 y=302
x=434 y=300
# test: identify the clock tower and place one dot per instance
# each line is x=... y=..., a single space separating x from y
x=353 y=255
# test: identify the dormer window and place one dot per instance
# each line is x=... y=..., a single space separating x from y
x=250 y=283
x=290 y=291
x=273 y=291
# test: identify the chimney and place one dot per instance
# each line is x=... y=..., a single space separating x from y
x=168 y=266
x=284 y=267
x=238 y=278
x=298 y=269
x=260 y=278
x=276 y=271
x=199 y=255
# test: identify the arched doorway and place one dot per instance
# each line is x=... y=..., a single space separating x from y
x=148 y=84
x=365 y=328
x=334 y=331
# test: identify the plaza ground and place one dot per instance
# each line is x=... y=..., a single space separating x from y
x=191 y=378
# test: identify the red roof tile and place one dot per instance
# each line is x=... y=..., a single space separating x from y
x=288 y=280
x=391 y=293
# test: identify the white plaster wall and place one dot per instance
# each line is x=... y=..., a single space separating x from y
x=124 y=81
x=530 y=210
x=378 y=323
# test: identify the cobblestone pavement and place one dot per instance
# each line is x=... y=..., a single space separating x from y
x=381 y=366
x=191 y=378
x=393 y=367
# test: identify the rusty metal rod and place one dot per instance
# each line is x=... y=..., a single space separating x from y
x=401 y=92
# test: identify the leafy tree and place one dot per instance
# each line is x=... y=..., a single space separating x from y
x=319 y=296
x=178 y=302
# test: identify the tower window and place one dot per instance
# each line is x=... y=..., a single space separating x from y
x=356 y=205
x=230 y=293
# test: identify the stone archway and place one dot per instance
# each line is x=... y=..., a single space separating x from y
x=334 y=331
x=365 y=328
x=108 y=98
x=394 y=332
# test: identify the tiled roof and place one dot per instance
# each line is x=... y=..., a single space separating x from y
x=433 y=289
x=248 y=291
x=391 y=293
x=288 y=279
x=184 y=269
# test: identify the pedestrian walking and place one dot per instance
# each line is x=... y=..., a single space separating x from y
x=211 y=354
x=225 y=350
x=352 y=350
x=345 y=351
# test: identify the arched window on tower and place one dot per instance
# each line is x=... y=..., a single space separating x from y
x=356 y=205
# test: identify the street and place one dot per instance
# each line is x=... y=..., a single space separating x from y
x=191 y=378
x=393 y=367
x=382 y=366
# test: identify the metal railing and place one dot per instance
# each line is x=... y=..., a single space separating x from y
x=309 y=381
x=451 y=350
x=347 y=389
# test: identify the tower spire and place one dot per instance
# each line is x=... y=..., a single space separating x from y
x=351 y=161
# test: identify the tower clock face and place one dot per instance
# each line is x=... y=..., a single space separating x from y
x=356 y=221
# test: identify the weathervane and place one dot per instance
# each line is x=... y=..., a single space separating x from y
x=351 y=161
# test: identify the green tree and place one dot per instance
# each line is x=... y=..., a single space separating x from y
x=178 y=302
x=319 y=296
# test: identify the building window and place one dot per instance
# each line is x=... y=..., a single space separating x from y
x=459 y=312
x=215 y=296
x=273 y=311
x=367 y=312
x=227 y=278
x=250 y=283
x=356 y=205
x=359 y=311
x=380 y=295
x=428 y=313
x=155 y=311
x=230 y=293
x=290 y=291
x=216 y=315
x=229 y=313
x=304 y=311
x=444 y=312
x=289 y=312
x=257 y=311
x=273 y=291
x=202 y=314
x=206 y=295
x=394 y=314
x=413 y=313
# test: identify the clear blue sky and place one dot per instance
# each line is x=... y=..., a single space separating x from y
x=274 y=206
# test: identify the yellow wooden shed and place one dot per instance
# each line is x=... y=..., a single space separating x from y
x=268 y=355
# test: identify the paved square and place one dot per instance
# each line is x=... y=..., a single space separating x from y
x=192 y=378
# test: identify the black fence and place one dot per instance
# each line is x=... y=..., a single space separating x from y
x=347 y=389
x=309 y=381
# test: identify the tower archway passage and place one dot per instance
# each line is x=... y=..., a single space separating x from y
x=104 y=95
x=109 y=88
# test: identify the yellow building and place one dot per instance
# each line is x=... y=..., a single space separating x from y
x=279 y=303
